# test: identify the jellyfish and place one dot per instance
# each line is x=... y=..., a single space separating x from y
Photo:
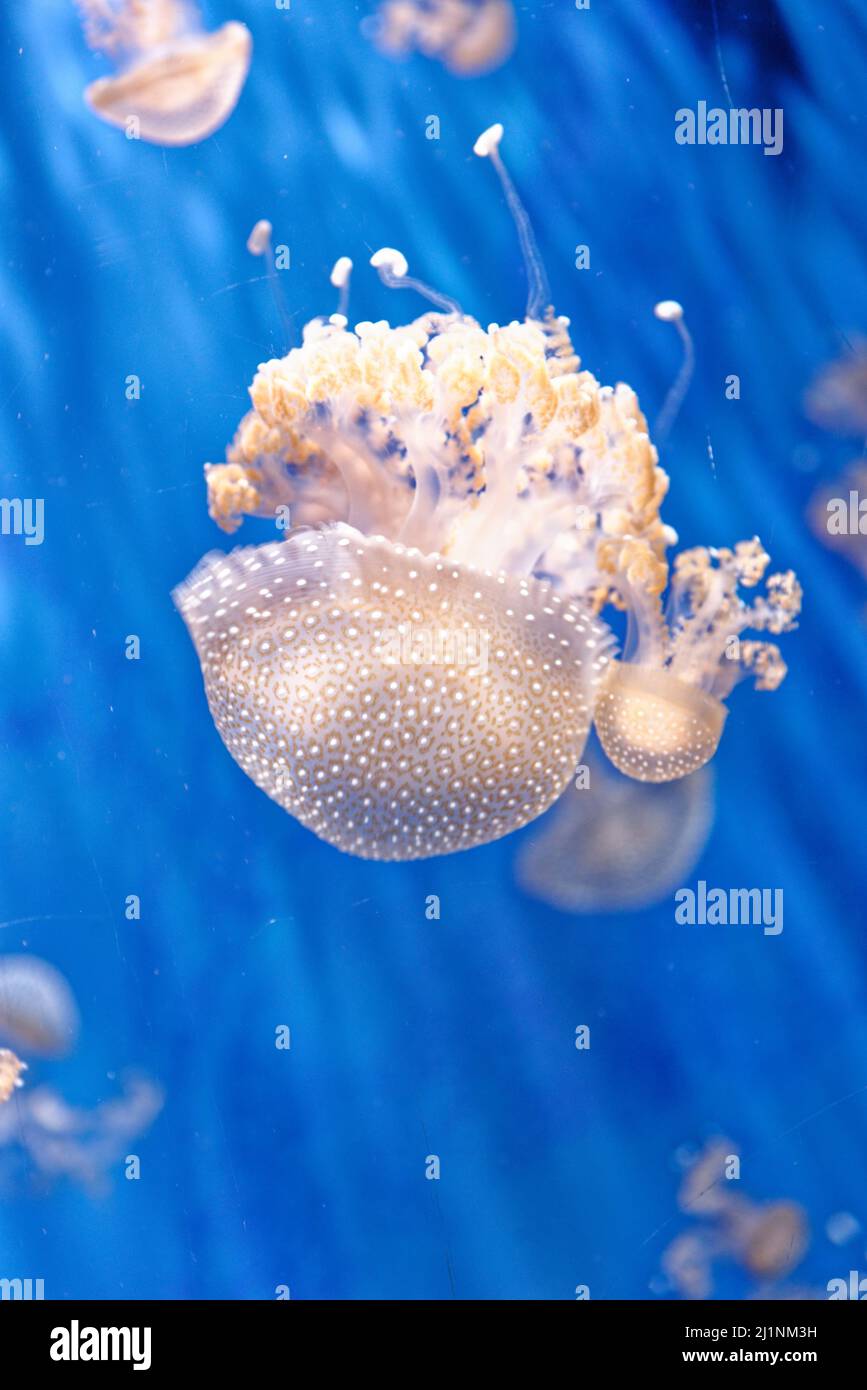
x=836 y=399
x=37 y=1007
x=468 y=36
x=838 y=516
x=61 y=1140
x=176 y=82
x=617 y=845
x=414 y=668
x=11 y=1068
x=766 y=1239
x=660 y=714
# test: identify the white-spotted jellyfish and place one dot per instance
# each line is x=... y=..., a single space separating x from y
x=414 y=668
x=43 y=1132
x=660 y=713
x=838 y=515
x=766 y=1239
x=176 y=83
x=38 y=1012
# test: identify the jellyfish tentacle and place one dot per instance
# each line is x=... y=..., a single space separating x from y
x=392 y=269
x=538 y=295
x=669 y=311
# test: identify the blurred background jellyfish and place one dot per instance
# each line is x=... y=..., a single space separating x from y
x=446 y=479
x=11 y=1068
x=838 y=516
x=467 y=36
x=176 y=82
x=616 y=845
x=836 y=399
x=38 y=1012
x=767 y=1240
x=41 y=1131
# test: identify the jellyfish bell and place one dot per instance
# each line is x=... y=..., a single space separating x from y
x=38 y=1011
x=660 y=713
x=177 y=82
x=654 y=727
x=398 y=705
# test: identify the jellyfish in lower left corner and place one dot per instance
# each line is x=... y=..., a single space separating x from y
x=176 y=82
x=46 y=1137
x=611 y=844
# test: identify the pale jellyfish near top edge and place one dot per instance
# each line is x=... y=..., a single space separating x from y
x=415 y=668
x=176 y=82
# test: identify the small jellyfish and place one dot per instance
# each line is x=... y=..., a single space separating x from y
x=660 y=713
x=11 y=1068
x=462 y=491
x=836 y=399
x=617 y=845
x=177 y=83
x=468 y=37
x=37 y=1007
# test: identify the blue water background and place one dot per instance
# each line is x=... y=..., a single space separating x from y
x=412 y=1037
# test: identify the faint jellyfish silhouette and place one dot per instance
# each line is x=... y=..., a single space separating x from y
x=837 y=513
x=61 y=1140
x=468 y=37
x=617 y=845
x=836 y=399
x=11 y=1068
x=766 y=1239
x=177 y=83
x=38 y=1012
